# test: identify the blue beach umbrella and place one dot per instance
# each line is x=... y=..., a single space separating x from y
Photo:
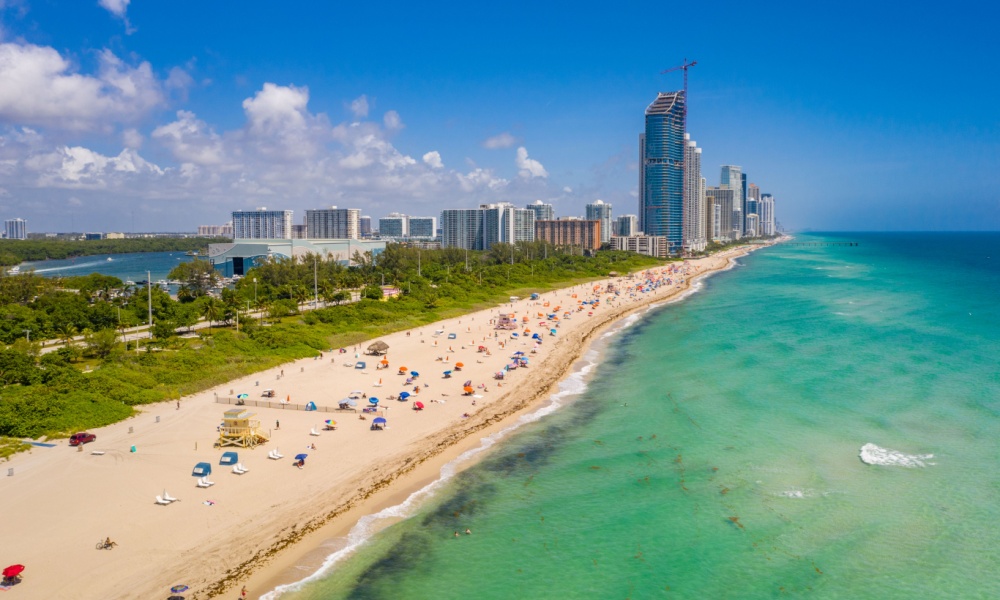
x=179 y=588
x=373 y=400
x=378 y=421
x=414 y=374
x=243 y=396
x=301 y=456
x=447 y=372
x=404 y=395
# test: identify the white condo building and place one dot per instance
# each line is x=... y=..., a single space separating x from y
x=262 y=224
x=732 y=179
x=693 y=234
x=766 y=213
x=543 y=211
x=626 y=225
x=333 y=224
x=15 y=229
x=480 y=228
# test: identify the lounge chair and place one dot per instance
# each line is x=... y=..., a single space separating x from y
x=238 y=469
x=162 y=501
x=201 y=483
x=278 y=454
x=313 y=431
x=275 y=455
x=168 y=497
x=207 y=482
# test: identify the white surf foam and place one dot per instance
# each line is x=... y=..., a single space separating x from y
x=876 y=455
x=369 y=525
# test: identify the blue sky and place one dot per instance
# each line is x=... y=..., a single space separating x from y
x=854 y=115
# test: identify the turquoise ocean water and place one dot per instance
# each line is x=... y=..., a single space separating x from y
x=714 y=450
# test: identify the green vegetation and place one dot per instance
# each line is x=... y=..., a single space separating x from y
x=11 y=446
x=50 y=395
x=13 y=252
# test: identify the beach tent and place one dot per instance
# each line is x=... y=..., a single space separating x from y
x=202 y=469
x=310 y=406
x=378 y=421
x=359 y=365
x=229 y=458
x=348 y=403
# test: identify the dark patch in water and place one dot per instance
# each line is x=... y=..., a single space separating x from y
x=406 y=555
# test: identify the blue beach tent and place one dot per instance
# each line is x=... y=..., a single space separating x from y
x=202 y=469
x=310 y=406
x=229 y=458
x=359 y=365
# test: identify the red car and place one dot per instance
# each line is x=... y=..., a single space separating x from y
x=81 y=438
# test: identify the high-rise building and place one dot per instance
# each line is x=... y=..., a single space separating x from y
x=766 y=213
x=732 y=178
x=543 y=212
x=694 y=199
x=661 y=191
x=753 y=226
x=262 y=224
x=462 y=228
x=650 y=245
x=333 y=223
x=753 y=199
x=743 y=201
x=503 y=222
x=365 y=225
x=395 y=225
x=423 y=227
x=572 y=233
x=216 y=230
x=626 y=225
x=719 y=216
x=601 y=211
x=15 y=229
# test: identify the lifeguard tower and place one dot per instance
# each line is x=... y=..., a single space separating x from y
x=506 y=321
x=239 y=428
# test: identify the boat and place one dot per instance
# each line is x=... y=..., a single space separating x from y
x=14 y=270
x=191 y=253
x=129 y=282
x=161 y=282
x=110 y=259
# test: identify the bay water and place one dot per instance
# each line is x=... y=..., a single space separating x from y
x=713 y=449
x=132 y=266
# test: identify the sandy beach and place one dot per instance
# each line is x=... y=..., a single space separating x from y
x=249 y=529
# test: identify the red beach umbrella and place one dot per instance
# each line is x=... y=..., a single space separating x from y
x=418 y=405
x=13 y=570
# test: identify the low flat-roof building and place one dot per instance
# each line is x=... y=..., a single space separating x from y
x=575 y=233
x=239 y=256
x=650 y=245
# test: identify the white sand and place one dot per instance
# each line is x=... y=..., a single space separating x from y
x=61 y=502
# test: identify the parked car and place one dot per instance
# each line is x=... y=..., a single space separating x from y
x=81 y=438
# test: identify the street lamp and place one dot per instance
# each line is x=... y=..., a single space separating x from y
x=255 y=291
x=149 y=291
x=27 y=335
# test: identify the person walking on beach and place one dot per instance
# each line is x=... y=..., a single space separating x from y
x=243 y=594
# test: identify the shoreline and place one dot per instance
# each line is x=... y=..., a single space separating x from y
x=250 y=529
x=317 y=547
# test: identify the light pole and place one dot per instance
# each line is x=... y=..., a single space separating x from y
x=315 y=285
x=255 y=291
x=418 y=264
x=27 y=335
x=149 y=292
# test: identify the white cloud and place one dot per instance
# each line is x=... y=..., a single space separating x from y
x=392 y=120
x=74 y=201
x=502 y=140
x=78 y=167
x=433 y=159
x=359 y=107
x=115 y=7
x=132 y=138
x=38 y=87
x=567 y=190
x=528 y=167
x=191 y=140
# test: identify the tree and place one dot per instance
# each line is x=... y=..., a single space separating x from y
x=101 y=343
x=197 y=278
x=211 y=309
x=372 y=292
x=164 y=330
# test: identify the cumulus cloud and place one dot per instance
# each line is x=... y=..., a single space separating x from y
x=502 y=140
x=132 y=138
x=433 y=159
x=38 y=87
x=392 y=120
x=191 y=140
x=115 y=7
x=359 y=107
x=528 y=168
x=78 y=167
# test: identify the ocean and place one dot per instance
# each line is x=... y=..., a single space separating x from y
x=132 y=266
x=820 y=421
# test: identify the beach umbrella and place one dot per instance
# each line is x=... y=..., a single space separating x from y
x=13 y=570
x=373 y=400
x=242 y=396
x=349 y=402
x=179 y=588
x=418 y=405
x=467 y=383
x=301 y=456
x=459 y=365
x=378 y=421
x=468 y=389
x=404 y=395
x=447 y=373
x=377 y=347
x=330 y=422
x=414 y=374
x=385 y=361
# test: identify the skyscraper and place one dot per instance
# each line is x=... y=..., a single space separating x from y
x=462 y=228
x=333 y=223
x=395 y=226
x=766 y=212
x=365 y=225
x=694 y=199
x=732 y=179
x=423 y=227
x=720 y=213
x=661 y=192
x=599 y=211
x=16 y=229
x=262 y=224
x=543 y=212
x=626 y=225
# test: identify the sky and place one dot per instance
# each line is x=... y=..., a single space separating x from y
x=132 y=115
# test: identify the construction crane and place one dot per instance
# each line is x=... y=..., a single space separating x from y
x=687 y=65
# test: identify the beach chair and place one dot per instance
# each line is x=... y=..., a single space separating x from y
x=278 y=454
x=207 y=482
x=168 y=497
x=313 y=431
x=201 y=483
x=161 y=501
x=238 y=469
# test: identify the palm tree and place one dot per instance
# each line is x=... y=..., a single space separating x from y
x=211 y=310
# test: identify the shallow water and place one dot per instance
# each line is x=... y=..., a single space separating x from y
x=715 y=452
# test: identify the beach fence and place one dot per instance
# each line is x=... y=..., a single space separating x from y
x=280 y=405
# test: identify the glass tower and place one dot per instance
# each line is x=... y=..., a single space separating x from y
x=661 y=197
